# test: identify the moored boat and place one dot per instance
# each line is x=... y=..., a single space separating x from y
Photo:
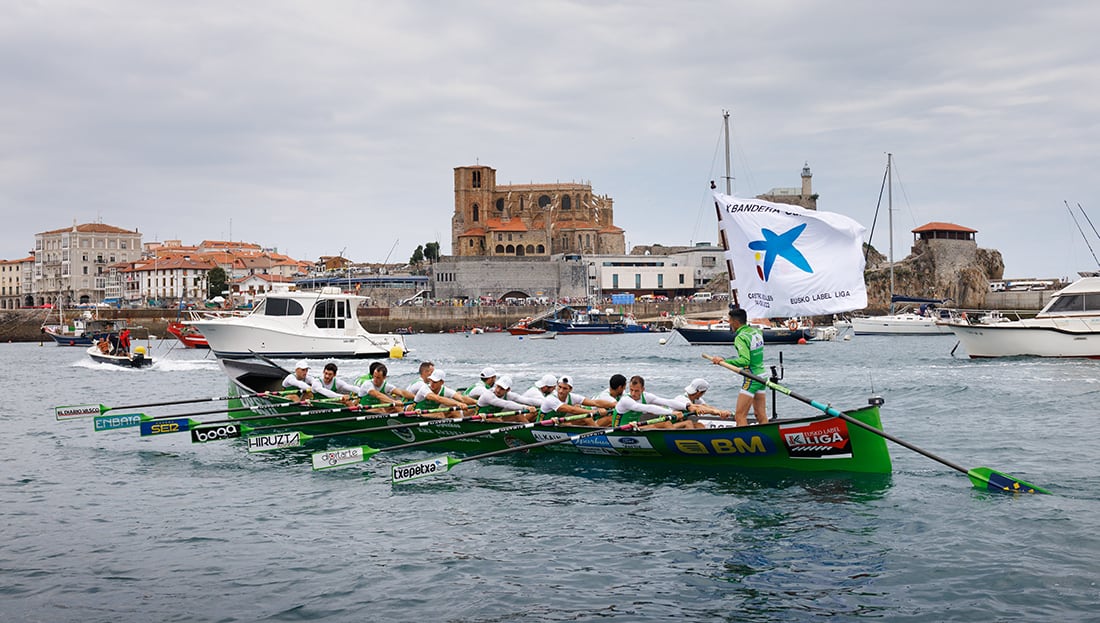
x=819 y=443
x=293 y=323
x=1068 y=326
x=187 y=335
x=718 y=333
x=82 y=331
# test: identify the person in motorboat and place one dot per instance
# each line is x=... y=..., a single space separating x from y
x=373 y=389
x=635 y=406
x=564 y=402
x=749 y=342
x=124 y=343
x=434 y=395
x=300 y=382
x=500 y=398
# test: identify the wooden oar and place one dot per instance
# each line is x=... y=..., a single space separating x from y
x=980 y=477
x=294 y=439
x=348 y=456
x=430 y=467
x=75 y=411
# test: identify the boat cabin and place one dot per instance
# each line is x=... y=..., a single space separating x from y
x=1081 y=298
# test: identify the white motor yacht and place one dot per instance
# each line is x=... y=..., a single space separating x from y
x=1068 y=326
x=292 y=323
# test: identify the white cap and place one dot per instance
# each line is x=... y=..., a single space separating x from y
x=437 y=375
x=504 y=381
x=697 y=385
x=301 y=365
x=566 y=380
x=488 y=373
x=548 y=380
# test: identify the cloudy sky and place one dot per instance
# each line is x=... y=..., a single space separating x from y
x=321 y=126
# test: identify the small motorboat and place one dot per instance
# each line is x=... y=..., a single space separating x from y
x=101 y=352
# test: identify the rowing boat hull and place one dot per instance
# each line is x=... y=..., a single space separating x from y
x=813 y=444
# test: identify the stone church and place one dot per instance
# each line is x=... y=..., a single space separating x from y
x=530 y=220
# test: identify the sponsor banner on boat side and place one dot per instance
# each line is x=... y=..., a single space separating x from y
x=596 y=444
x=724 y=443
x=274 y=441
x=336 y=458
x=108 y=422
x=824 y=439
x=65 y=413
x=215 y=433
x=161 y=427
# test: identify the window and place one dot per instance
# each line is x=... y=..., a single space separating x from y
x=1068 y=303
x=282 y=307
x=681 y=278
x=477 y=213
x=499 y=249
x=615 y=280
x=637 y=281
x=660 y=280
x=122 y=245
x=709 y=261
x=500 y=205
x=544 y=200
x=566 y=202
x=471 y=242
x=475 y=179
x=541 y=249
x=330 y=314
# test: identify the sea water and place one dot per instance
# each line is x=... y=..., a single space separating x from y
x=110 y=526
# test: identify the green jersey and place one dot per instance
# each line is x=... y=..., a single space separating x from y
x=749 y=342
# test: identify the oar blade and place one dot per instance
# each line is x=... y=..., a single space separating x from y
x=164 y=427
x=276 y=441
x=343 y=456
x=419 y=469
x=203 y=434
x=993 y=480
x=78 y=411
x=111 y=422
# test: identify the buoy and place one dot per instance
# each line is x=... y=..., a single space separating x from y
x=847 y=338
x=801 y=340
x=662 y=341
x=396 y=352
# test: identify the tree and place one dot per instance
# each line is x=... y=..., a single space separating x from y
x=431 y=251
x=418 y=256
x=215 y=282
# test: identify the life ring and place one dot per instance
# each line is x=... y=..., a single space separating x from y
x=792 y=324
x=809 y=324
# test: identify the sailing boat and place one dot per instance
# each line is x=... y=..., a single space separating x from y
x=905 y=322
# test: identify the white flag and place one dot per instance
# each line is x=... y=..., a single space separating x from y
x=790 y=261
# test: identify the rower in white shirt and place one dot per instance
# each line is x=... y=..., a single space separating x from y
x=565 y=402
x=635 y=406
x=501 y=399
x=300 y=381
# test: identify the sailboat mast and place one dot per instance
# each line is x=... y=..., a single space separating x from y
x=726 y=129
x=890 y=213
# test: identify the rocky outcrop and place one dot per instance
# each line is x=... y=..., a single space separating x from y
x=954 y=269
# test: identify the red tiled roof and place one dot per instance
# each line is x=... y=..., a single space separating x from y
x=473 y=231
x=495 y=224
x=938 y=226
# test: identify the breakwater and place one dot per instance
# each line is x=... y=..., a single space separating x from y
x=24 y=325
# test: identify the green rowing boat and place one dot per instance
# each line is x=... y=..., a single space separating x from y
x=810 y=444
